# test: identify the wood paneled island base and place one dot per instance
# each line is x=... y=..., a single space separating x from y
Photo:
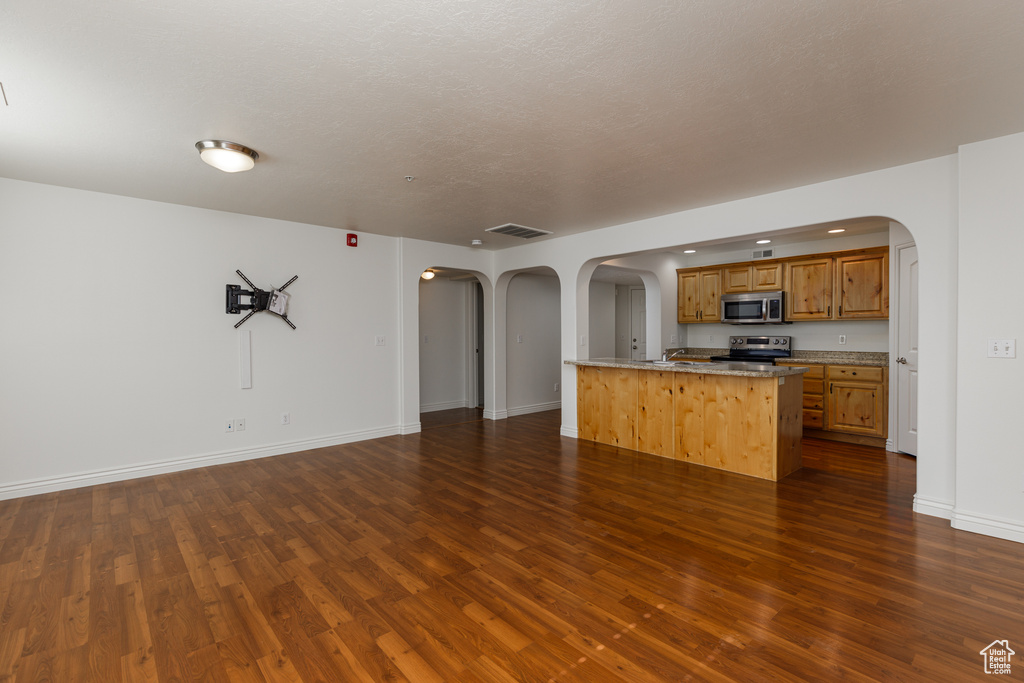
x=744 y=422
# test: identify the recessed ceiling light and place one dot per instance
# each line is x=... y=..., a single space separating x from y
x=834 y=230
x=428 y=274
x=409 y=178
x=229 y=157
x=764 y=241
x=689 y=251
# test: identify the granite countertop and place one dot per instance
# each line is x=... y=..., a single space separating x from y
x=736 y=369
x=866 y=358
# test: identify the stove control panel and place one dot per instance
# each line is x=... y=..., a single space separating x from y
x=759 y=342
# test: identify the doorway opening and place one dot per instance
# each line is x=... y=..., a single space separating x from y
x=451 y=328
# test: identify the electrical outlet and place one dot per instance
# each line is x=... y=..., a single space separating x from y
x=240 y=424
x=286 y=418
x=674 y=339
x=379 y=340
x=556 y=387
x=229 y=426
x=519 y=339
x=1002 y=348
x=711 y=339
x=842 y=339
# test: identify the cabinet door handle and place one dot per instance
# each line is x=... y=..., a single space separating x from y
x=840 y=311
x=830 y=387
x=829 y=314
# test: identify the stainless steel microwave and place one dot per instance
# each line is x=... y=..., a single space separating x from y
x=747 y=308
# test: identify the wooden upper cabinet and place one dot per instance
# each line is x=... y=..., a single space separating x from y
x=689 y=294
x=710 y=293
x=809 y=289
x=862 y=284
x=699 y=292
x=737 y=278
x=766 y=277
x=752 y=277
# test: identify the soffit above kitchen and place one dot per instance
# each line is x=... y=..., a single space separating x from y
x=561 y=116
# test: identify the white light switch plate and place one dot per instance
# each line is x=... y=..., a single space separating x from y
x=1002 y=348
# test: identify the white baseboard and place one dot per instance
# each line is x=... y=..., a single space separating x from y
x=536 y=408
x=890 y=445
x=933 y=507
x=495 y=414
x=1009 y=529
x=447 y=405
x=411 y=428
x=571 y=432
x=34 y=487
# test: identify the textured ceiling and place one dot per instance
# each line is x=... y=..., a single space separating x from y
x=565 y=116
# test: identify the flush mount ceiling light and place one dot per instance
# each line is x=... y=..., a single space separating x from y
x=837 y=230
x=689 y=251
x=428 y=274
x=229 y=157
x=764 y=241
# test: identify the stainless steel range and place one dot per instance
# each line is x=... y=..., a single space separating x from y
x=762 y=350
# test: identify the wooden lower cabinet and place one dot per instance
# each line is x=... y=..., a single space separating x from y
x=606 y=405
x=748 y=425
x=841 y=401
x=857 y=400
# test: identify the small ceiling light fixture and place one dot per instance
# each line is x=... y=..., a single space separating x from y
x=428 y=274
x=477 y=243
x=764 y=241
x=835 y=230
x=229 y=157
x=690 y=251
x=410 y=178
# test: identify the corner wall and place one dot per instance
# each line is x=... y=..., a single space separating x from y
x=989 y=467
x=118 y=360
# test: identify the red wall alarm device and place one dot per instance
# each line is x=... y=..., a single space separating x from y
x=352 y=240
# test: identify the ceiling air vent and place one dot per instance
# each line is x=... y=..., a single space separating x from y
x=514 y=230
x=764 y=253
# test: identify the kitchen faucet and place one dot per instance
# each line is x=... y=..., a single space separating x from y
x=665 y=355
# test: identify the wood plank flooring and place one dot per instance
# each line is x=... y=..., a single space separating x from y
x=499 y=551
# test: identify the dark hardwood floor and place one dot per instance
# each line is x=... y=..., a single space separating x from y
x=498 y=551
x=447 y=418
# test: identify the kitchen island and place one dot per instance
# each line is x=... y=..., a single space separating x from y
x=725 y=416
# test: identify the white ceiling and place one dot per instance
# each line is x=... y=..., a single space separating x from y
x=565 y=116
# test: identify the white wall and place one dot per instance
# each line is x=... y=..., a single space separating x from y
x=622 y=321
x=444 y=348
x=535 y=364
x=602 y=319
x=989 y=466
x=861 y=335
x=118 y=360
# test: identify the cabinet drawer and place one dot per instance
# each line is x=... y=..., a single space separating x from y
x=855 y=372
x=815 y=372
x=814 y=386
x=814 y=402
x=814 y=419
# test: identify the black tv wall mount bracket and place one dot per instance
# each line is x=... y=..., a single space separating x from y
x=275 y=301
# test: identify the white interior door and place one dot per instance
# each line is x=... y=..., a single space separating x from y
x=638 y=324
x=906 y=353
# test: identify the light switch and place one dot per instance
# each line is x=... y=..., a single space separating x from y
x=1002 y=348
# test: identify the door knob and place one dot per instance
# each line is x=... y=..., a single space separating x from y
x=901 y=360
x=634 y=346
